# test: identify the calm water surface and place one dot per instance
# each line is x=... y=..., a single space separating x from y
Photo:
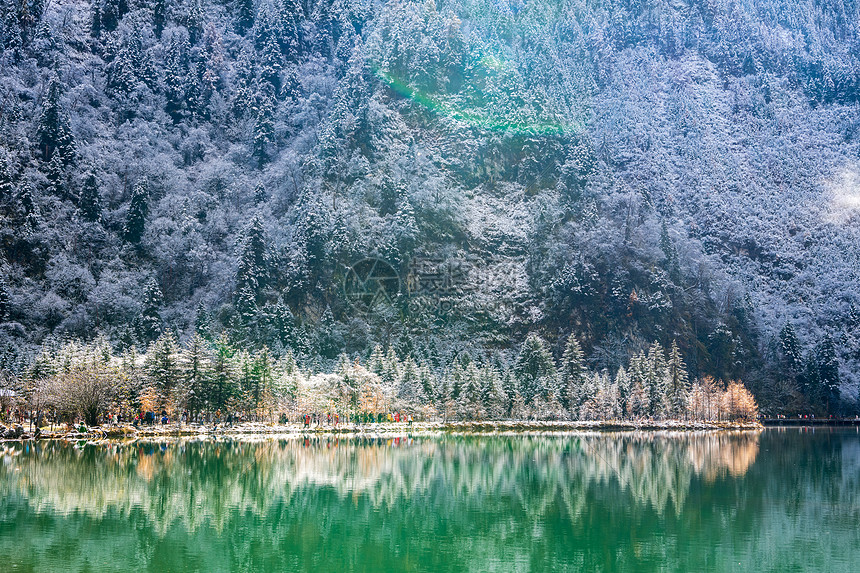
x=779 y=500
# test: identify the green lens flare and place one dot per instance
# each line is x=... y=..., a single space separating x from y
x=478 y=118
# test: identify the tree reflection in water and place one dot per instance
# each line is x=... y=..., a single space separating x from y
x=599 y=500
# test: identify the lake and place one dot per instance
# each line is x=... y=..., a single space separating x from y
x=776 y=500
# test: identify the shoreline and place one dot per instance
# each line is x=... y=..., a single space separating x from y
x=260 y=429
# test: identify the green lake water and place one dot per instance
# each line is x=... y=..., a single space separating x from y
x=777 y=500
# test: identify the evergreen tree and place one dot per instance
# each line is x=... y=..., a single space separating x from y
x=668 y=248
x=377 y=360
x=196 y=371
x=56 y=175
x=202 y=321
x=159 y=15
x=245 y=15
x=390 y=369
x=428 y=382
x=533 y=367
x=471 y=394
x=162 y=369
x=28 y=211
x=7 y=187
x=624 y=384
x=410 y=390
x=679 y=386
x=246 y=306
x=281 y=324
x=638 y=404
x=791 y=359
x=657 y=381
x=572 y=373
x=264 y=132
x=329 y=341
x=638 y=401
x=53 y=132
x=253 y=270
x=828 y=375
x=495 y=397
x=271 y=65
x=110 y=13
x=89 y=204
x=5 y=304
x=176 y=75
x=135 y=220
x=260 y=194
x=149 y=320
x=260 y=392
x=224 y=381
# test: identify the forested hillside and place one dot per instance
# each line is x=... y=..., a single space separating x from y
x=626 y=171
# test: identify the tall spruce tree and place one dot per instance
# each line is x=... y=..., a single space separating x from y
x=224 y=380
x=678 y=383
x=410 y=391
x=162 y=369
x=572 y=373
x=533 y=367
x=253 y=269
x=149 y=320
x=138 y=209
x=5 y=304
x=53 y=131
x=196 y=371
x=90 y=204
x=658 y=381
x=7 y=187
x=828 y=375
x=790 y=353
x=264 y=131
x=27 y=209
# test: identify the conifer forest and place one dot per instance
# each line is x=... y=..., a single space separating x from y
x=455 y=209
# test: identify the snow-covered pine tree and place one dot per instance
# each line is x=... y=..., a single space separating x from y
x=791 y=355
x=638 y=404
x=5 y=304
x=390 y=369
x=264 y=130
x=657 y=378
x=90 y=204
x=55 y=172
x=572 y=371
x=376 y=363
x=196 y=370
x=253 y=267
x=624 y=384
x=162 y=369
x=828 y=375
x=138 y=209
x=7 y=187
x=260 y=194
x=27 y=209
x=410 y=391
x=679 y=385
x=428 y=382
x=224 y=381
x=533 y=366
x=495 y=397
x=149 y=319
x=53 y=131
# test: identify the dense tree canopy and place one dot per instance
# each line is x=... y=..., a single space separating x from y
x=632 y=172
